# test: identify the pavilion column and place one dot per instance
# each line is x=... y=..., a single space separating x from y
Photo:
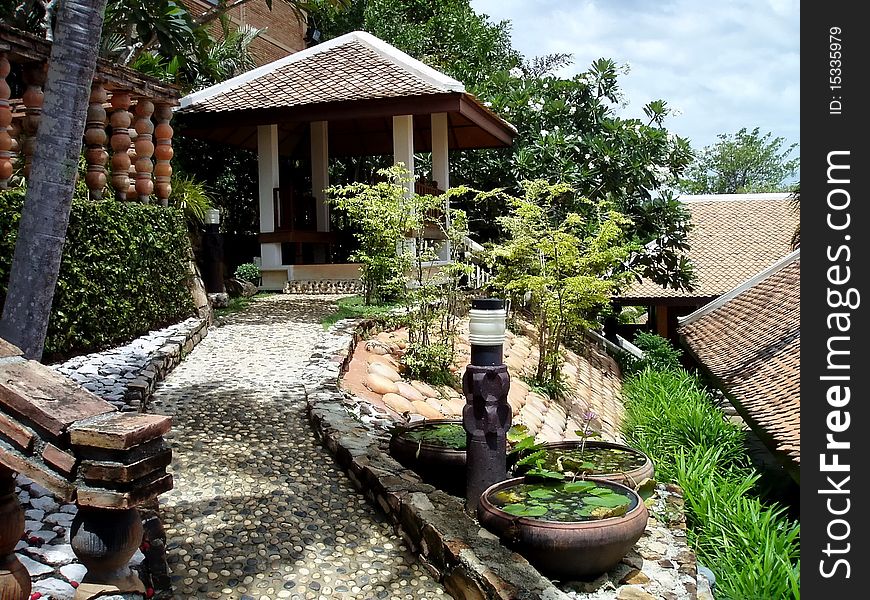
x=441 y=169
x=5 y=122
x=403 y=146
x=267 y=162
x=320 y=180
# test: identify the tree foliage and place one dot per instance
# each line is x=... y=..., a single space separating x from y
x=564 y=258
x=742 y=162
x=567 y=127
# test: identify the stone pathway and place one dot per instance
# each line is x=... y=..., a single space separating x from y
x=259 y=509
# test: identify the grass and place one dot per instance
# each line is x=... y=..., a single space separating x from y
x=752 y=547
x=353 y=307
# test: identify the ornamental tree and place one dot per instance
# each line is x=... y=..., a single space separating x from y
x=563 y=265
x=742 y=162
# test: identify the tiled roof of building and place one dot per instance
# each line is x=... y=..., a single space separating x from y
x=355 y=66
x=749 y=339
x=733 y=237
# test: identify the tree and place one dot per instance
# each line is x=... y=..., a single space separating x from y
x=567 y=127
x=45 y=216
x=564 y=266
x=742 y=162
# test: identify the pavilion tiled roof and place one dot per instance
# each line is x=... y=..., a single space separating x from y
x=357 y=83
x=733 y=237
x=351 y=70
x=749 y=340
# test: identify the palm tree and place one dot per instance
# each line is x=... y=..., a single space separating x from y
x=45 y=216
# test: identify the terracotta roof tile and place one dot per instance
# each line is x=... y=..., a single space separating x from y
x=349 y=70
x=731 y=240
x=751 y=343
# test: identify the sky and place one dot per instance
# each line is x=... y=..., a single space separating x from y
x=722 y=65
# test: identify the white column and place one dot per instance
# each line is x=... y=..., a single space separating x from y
x=440 y=162
x=320 y=171
x=441 y=167
x=267 y=163
x=403 y=145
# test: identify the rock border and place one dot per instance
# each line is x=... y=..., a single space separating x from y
x=137 y=380
x=164 y=361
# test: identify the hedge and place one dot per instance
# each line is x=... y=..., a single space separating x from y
x=123 y=272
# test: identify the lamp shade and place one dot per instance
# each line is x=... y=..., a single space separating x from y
x=212 y=216
x=486 y=321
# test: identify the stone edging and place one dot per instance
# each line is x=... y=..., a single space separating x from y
x=126 y=376
x=163 y=362
x=469 y=561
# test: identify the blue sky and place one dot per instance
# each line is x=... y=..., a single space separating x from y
x=723 y=64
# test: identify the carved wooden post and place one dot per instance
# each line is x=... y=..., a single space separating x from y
x=104 y=540
x=120 y=121
x=95 y=140
x=14 y=579
x=5 y=122
x=487 y=414
x=33 y=98
x=163 y=152
x=144 y=149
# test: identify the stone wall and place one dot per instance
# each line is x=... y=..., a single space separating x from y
x=324 y=286
x=126 y=376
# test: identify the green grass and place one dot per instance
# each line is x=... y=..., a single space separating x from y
x=353 y=307
x=752 y=547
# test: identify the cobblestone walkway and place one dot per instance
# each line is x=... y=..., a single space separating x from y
x=259 y=510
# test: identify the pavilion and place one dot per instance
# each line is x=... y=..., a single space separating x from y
x=354 y=95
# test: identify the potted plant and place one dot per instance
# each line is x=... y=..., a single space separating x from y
x=435 y=450
x=579 y=458
x=567 y=529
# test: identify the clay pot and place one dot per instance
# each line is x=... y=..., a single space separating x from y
x=439 y=466
x=566 y=550
x=629 y=478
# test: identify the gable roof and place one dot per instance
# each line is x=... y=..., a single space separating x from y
x=356 y=82
x=733 y=237
x=749 y=340
x=354 y=66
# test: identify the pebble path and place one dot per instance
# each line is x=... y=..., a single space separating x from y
x=259 y=509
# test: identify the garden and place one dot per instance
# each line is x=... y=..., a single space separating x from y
x=466 y=391
x=588 y=464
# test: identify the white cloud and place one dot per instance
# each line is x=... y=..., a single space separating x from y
x=726 y=65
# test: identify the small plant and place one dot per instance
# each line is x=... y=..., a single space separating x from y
x=249 y=272
x=659 y=354
x=430 y=363
x=537 y=460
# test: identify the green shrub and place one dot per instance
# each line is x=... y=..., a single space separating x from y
x=753 y=548
x=659 y=354
x=248 y=272
x=123 y=272
x=430 y=363
x=668 y=411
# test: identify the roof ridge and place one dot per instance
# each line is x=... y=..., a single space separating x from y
x=377 y=45
x=758 y=196
x=749 y=283
x=408 y=62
